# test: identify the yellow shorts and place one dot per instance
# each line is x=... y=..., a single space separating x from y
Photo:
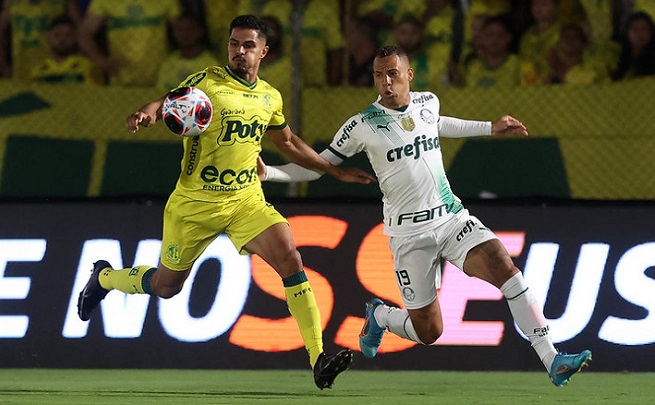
x=191 y=225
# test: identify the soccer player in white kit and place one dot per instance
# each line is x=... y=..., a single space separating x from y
x=424 y=219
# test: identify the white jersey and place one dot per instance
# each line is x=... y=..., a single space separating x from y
x=404 y=151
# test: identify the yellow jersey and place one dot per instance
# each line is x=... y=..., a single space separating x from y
x=73 y=69
x=137 y=36
x=506 y=75
x=176 y=68
x=30 y=21
x=221 y=163
x=534 y=47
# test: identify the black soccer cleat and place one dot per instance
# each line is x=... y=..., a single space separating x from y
x=92 y=293
x=328 y=367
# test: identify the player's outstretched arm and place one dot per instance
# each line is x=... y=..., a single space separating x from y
x=292 y=172
x=302 y=154
x=145 y=116
x=508 y=125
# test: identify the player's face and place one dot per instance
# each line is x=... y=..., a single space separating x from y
x=245 y=50
x=392 y=76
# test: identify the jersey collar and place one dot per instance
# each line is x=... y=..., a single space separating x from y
x=240 y=79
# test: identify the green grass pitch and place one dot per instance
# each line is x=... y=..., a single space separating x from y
x=140 y=387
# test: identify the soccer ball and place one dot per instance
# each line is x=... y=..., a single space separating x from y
x=187 y=111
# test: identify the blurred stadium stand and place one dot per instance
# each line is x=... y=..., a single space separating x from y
x=586 y=142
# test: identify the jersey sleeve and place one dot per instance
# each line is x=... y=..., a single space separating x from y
x=293 y=172
x=277 y=118
x=195 y=80
x=348 y=139
x=450 y=127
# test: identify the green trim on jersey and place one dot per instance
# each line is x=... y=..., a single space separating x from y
x=240 y=79
x=382 y=123
x=377 y=118
x=277 y=127
x=452 y=203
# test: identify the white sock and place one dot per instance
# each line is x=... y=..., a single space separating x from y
x=529 y=317
x=397 y=321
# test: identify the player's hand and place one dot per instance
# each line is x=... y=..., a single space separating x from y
x=139 y=118
x=508 y=125
x=261 y=168
x=354 y=175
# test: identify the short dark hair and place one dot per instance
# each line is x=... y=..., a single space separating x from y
x=390 y=50
x=252 y=22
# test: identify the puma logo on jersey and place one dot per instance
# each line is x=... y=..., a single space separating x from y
x=386 y=126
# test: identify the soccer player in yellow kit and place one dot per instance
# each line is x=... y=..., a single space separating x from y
x=218 y=191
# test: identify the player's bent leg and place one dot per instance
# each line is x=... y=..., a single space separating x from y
x=489 y=261
x=161 y=282
x=424 y=325
x=276 y=247
x=427 y=322
x=167 y=283
x=104 y=278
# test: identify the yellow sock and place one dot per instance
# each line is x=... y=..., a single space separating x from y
x=302 y=305
x=132 y=281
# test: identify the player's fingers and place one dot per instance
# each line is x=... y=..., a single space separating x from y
x=520 y=130
x=515 y=126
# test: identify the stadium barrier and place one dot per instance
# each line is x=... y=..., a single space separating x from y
x=590 y=265
x=585 y=142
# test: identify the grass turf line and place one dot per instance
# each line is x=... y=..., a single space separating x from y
x=139 y=387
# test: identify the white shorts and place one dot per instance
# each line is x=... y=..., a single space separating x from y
x=417 y=258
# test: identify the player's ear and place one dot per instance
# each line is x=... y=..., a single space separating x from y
x=264 y=52
x=410 y=74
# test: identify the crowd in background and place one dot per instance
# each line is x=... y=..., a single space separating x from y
x=457 y=43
